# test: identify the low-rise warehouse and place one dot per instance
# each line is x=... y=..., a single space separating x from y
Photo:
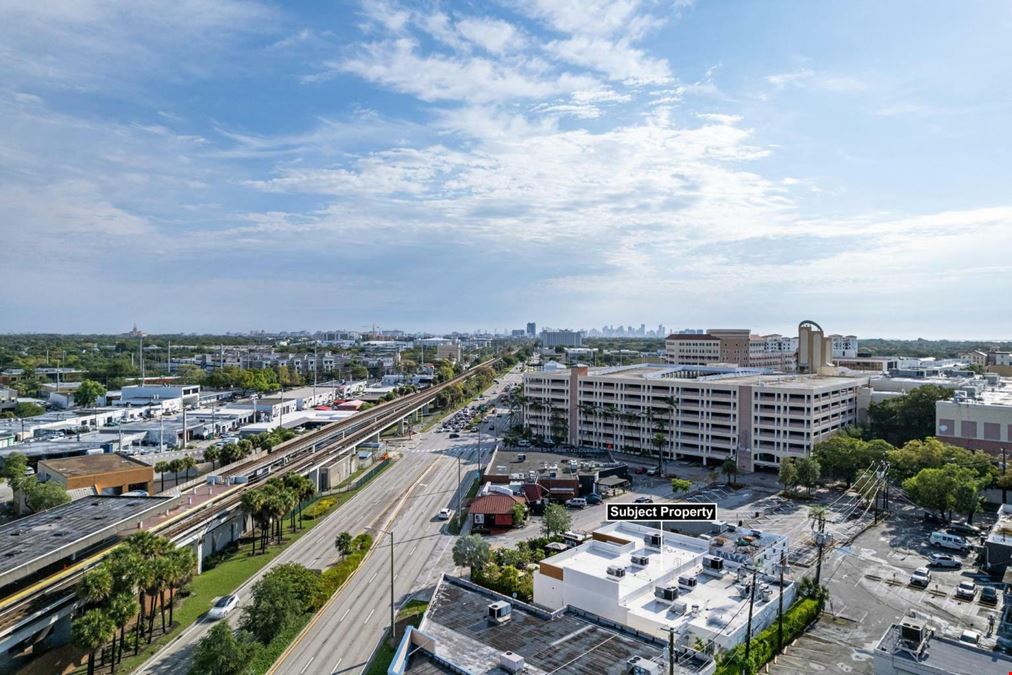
x=106 y=474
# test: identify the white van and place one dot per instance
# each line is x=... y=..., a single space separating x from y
x=577 y=503
x=950 y=541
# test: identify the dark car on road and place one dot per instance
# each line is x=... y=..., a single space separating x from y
x=593 y=498
x=988 y=595
x=643 y=500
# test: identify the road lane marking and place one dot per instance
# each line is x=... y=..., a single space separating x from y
x=371 y=578
x=337 y=665
x=343 y=616
x=371 y=612
x=306 y=667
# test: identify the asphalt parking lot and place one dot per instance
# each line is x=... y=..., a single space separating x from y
x=869 y=589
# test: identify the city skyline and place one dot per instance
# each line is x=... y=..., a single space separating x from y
x=223 y=166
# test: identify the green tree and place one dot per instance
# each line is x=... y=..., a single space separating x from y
x=27 y=409
x=161 y=468
x=279 y=598
x=222 y=652
x=342 y=543
x=519 y=515
x=933 y=490
x=471 y=551
x=730 y=469
x=788 y=475
x=42 y=496
x=808 y=472
x=908 y=417
x=95 y=586
x=931 y=453
x=88 y=392
x=680 y=485
x=15 y=466
x=212 y=455
x=556 y=520
x=843 y=457
x=121 y=608
x=90 y=631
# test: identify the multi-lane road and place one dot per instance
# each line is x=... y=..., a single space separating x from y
x=405 y=499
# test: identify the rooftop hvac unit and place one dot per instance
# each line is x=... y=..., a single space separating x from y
x=666 y=593
x=511 y=663
x=912 y=631
x=678 y=607
x=641 y=560
x=687 y=581
x=499 y=612
x=639 y=665
x=713 y=566
x=653 y=540
x=616 y=571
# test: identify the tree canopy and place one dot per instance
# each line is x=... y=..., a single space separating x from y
x=555 y=520
x=908 y=417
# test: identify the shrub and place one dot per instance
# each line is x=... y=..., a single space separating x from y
x=764 y=645
x=319 y=508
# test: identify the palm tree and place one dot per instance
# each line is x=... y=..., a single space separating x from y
x=252 y=503
x=186 y=464
x=95 y=586
x=342 y=543
x=175 y=466
x=161 y=468
x=212 y=454
x=92 y=630
x=183 y=562
x=124 y=565
x=121 y=607
x=730 y=468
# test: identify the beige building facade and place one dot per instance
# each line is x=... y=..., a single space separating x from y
x=701 y=412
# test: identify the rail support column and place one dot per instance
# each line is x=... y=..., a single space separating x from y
x=403 y=426
x=199 y=552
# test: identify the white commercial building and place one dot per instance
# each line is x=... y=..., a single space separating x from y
x=156 y=394
x=702 y=412
x=978 y=416
x=551 y=339
x=650 y=581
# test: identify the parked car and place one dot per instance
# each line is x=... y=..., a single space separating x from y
x=640 y=470
x=934 y=518
x=942 y=560
x=455 y=435
x=988 y=595
x=223 y=606
x=966 y=590
x=593 y=498
x=970 y=637
x=576 y=503
x=921 y=577
x=444 y=514
x=652 y=472
x=643 y=500
x=950 y=541
x=964 y=530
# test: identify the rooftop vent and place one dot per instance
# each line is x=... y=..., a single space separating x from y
x=666 y=593
x=653 y=540
x=641 y=560
x=511 y=663
x=499 y=612
x=639 y=665
x=687 y=581
x=616 y=571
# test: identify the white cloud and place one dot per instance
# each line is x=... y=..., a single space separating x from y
x=618 y=60
x=492 y=35
x=806 y=77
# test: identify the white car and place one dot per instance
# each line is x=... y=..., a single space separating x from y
x=966 y=590
x=921 y=577
x=444 y=514
x=223 y=606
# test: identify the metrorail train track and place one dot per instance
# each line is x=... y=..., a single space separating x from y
x=298 y=454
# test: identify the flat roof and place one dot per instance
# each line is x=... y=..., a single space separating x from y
x=566 y=643
x=90 y=465
x=947 y=655
x=29 y=543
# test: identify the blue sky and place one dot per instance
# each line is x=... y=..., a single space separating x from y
x=210 y=165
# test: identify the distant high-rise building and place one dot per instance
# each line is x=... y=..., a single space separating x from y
x=532 y=329
x=561 y=338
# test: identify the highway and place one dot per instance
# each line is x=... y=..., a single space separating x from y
x=349 y=628
x=407 y=495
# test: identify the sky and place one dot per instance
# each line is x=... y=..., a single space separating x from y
x=216 y=165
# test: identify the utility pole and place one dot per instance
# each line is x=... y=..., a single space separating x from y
x=780 y=614
x=671 y=649
x=1004 y=490
x=820 y=540
x=748 y=631
x=460 y=497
